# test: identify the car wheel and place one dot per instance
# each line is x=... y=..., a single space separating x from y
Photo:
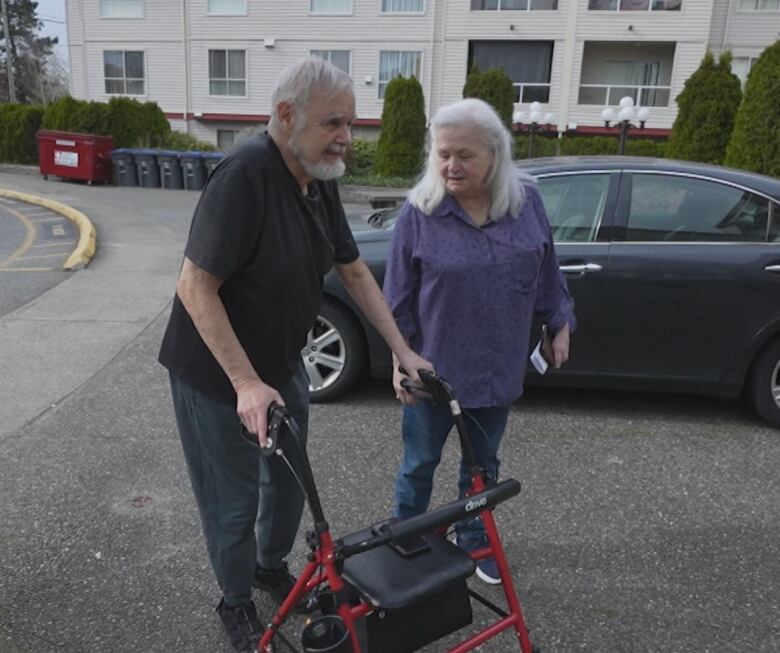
x=334 y=354
x=764 y=386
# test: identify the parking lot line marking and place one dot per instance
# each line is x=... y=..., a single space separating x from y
x=26 y=269
x=29 y=238
x=62 y=244
x=56 y=219
x=29 y=258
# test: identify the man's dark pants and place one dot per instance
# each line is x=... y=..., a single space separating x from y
x=237 y=490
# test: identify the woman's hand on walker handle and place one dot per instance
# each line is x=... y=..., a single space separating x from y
x=411 y=362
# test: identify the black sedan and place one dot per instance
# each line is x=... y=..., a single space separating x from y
x=674 y=268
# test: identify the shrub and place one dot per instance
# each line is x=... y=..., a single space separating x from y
x=707 y=107
x=400 y=146
x=360 y=157
x=131 y=123
x=586 y=146
x=18 y=125
x=181 y=142
x=755 y=142
x=495 y=88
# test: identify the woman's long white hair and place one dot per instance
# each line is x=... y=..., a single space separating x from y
x=507 y=192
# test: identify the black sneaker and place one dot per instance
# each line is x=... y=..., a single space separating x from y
x=242 y=625
x=279 y=583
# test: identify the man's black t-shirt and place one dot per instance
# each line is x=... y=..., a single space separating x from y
x=271 y=245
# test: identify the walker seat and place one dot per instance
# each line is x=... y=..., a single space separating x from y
x=427 y=589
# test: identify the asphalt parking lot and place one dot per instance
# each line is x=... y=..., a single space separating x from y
x=646 y=522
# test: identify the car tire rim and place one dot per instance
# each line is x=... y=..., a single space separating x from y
x=774 y=384
x=324 y=355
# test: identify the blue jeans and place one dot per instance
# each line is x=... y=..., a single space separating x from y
x=250 y=506
x=425 y=430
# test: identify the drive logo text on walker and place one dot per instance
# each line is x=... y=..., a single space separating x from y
x=476 y=503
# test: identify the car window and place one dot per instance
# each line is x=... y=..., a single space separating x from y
x=675 y=208
x=574 y=204
x=774 y=233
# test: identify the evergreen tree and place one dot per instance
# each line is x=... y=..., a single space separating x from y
x=401 y=142
x=494 y=87
x=755 y=143
x=473 y=83
x=707 y=107
x=31 y=53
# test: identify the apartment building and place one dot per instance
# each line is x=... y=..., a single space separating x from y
x=211 y=64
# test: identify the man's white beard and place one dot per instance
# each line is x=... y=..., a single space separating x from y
x=321 y=170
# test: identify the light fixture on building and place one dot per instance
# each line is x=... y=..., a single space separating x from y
x=269 y=43
x=626 y=115
x=532 y=122
x=368 y=79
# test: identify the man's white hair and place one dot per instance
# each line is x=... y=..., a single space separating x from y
x=507 y=189
x=300 y=80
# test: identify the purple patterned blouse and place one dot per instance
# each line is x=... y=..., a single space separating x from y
x=465 y=296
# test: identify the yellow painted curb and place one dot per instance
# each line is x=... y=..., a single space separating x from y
x=85 y=249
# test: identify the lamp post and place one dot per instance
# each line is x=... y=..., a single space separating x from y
x=626 y=115
x=534 y=121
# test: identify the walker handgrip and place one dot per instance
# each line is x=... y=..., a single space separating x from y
x=452 y=512
x=415 y=390
x=276 y=415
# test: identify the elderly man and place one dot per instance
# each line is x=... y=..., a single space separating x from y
x=268 y=227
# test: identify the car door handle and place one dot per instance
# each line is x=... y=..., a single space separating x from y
x=580 y=268
x=773 y=268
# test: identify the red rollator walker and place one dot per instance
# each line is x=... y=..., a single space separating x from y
x=399 y=585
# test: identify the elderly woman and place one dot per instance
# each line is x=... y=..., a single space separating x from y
x=472 y=262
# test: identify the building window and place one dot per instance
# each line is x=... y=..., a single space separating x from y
x=124 y=72
x=340 y=58
x=759 y=5
x=513 y=5
x=393 y=64
x=226 y=138
x=227 y=7
x=528 y=64
x=613 y=70
x=635 y=5
x=336 y=7
x=227 y=72
x=403 y=6
x=121 y=8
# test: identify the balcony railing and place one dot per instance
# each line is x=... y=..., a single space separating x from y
x=532 y=92
x=634 y=5
x=609 y=95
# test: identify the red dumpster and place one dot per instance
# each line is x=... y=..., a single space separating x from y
x=75 y=156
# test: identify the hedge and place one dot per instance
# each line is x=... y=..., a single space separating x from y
x=18 y=126
x=587 y=146
x=131 y=123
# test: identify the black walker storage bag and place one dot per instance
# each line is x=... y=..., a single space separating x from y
x=418 y=591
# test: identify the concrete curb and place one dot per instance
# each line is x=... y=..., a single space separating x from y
x=85 y=248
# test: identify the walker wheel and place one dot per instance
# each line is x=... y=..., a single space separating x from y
x=536 y=649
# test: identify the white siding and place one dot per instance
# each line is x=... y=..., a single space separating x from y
x=442 y=33
x=163 y=69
